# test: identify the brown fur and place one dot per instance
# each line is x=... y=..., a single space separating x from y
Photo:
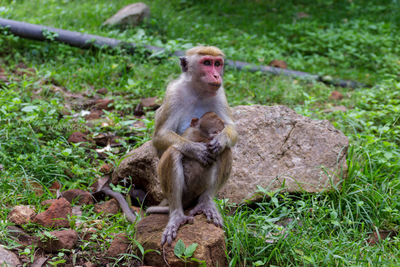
x=205 y=50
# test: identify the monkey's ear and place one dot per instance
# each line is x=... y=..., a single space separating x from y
x=194 y=122
x=184 y=64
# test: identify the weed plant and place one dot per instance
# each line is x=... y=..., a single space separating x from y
x=358 y=40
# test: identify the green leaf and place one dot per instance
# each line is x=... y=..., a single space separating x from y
x=190 y=250
x=29 y=108
x=179 y=248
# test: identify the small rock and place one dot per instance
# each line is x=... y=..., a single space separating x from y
x=80 y=196
x=21 y=215
x=56 y=215
x=302 y=15
x=104 y=104
x=94 y=115
x=383 y=234
x=108 y=207
x=150 y=102
x=335 y=95
x=137 y=196
x=118 y=246
x=336 y=108
x=278 y=64
x=210 y=240
x=39 y=262
x=8 y=258
x=22 y=237
x=130 y=15
x=101 y=139
x=65 y=239
x=77 y=137
x=89 y=264
x=102 y=91
x=3 y=78
x=106 y=168
x=54 y=187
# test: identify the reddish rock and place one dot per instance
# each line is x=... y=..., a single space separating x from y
x=3 y=78
x=22 y=237
x=56 y=215
x=106 y=168
x=302 y=15
x=65 y=239
x=383 y=234
x=104 y=104
x=108 y=207
x=102 y=91
x=118 y=246
x=37 y=188
x=210 y=239
x=77 y=137
x=54 y=187
x=21 y=215
x=278 y=64
x=80 y=196
x=94 y=115
x=335 y=95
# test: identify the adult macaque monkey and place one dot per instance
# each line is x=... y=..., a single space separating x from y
x=197 y=90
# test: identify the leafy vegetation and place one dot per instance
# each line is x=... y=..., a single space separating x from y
x=356 y=40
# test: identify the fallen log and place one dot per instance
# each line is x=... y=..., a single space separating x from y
x=83 y=40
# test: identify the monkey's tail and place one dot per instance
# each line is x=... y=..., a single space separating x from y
x=158 y=209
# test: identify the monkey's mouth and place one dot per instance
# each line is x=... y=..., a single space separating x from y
x=216 y=85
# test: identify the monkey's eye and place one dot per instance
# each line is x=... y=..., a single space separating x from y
x=217 y=64
x=207 y=62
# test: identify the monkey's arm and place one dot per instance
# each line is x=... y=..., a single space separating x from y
x=165 y=136
x=225 y=139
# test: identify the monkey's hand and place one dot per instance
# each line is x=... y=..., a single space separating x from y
x=216 y=145
x=197 y=151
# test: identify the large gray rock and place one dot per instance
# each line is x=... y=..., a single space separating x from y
x=8 y=258
x=130 y=15
x=276 y=147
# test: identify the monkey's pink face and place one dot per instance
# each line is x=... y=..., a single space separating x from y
x=211 y=71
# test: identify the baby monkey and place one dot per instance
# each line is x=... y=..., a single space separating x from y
x=197 y=177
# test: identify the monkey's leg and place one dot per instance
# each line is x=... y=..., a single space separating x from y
x=206 y=203
x=216 y=179
x=174 y=192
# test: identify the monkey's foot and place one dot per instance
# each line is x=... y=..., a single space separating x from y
x=172 y=227
x=208 y=208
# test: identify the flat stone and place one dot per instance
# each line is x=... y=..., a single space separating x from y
x=210 y=239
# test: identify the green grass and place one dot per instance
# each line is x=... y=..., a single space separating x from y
x=356 y=40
